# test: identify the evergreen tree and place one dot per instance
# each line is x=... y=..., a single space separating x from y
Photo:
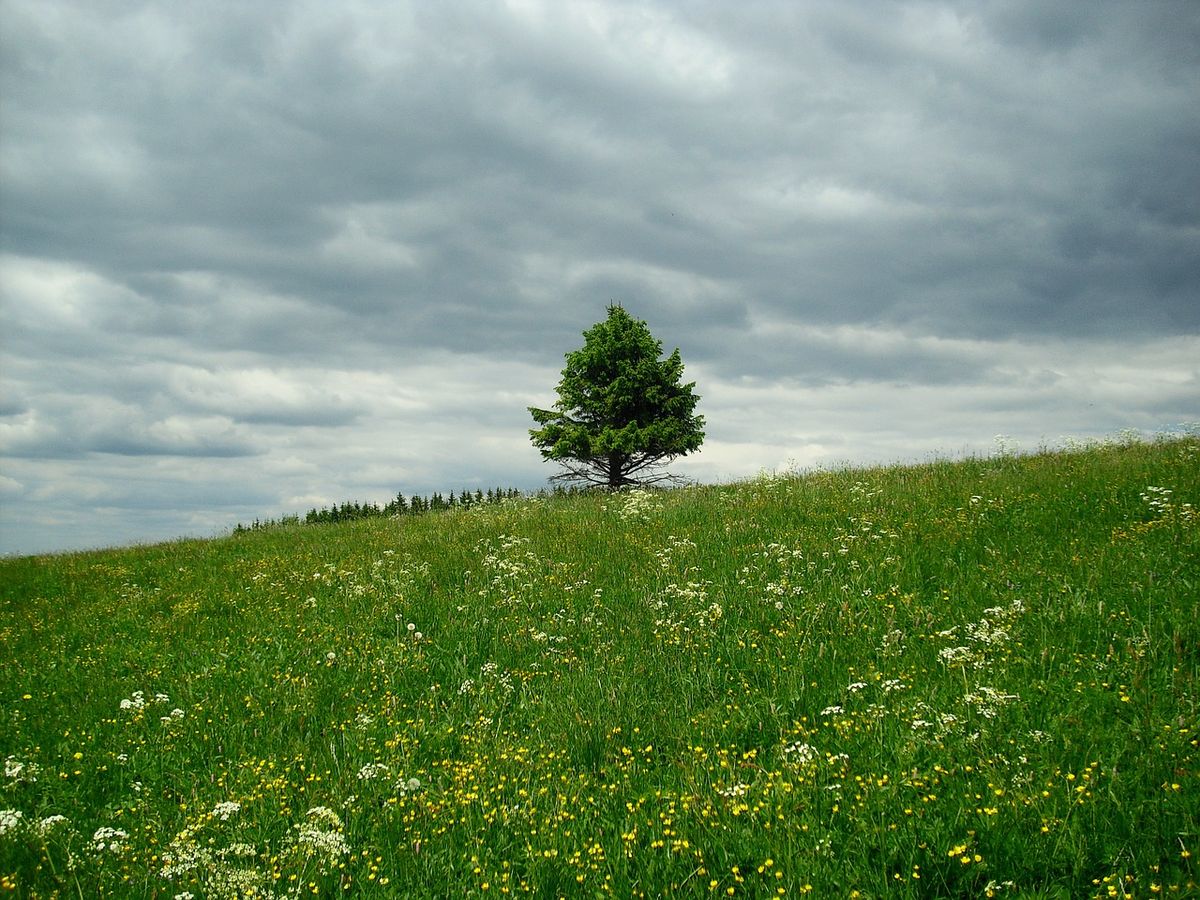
x=622 y=413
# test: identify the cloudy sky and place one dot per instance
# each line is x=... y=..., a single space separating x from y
x=258 y=257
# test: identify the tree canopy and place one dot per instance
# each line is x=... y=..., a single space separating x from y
x=622 y=412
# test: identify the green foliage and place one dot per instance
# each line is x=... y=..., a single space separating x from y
x=964 y=679
x=622 y=412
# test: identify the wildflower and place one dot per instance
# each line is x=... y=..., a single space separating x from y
x=9 y=820
x=223 y=811
x=20 y=772
x=48 y=824
x=372 y=770
x=831 y=710
x=110 y=839
x=313 y=842
x=324 y=815
x=800 y=752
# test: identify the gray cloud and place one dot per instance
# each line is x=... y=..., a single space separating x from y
x=344 y=246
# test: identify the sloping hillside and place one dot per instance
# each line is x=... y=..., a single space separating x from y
x=975 y=678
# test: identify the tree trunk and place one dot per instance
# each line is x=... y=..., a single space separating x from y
x=614 y=472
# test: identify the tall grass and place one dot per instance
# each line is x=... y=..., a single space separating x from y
x=971 y=678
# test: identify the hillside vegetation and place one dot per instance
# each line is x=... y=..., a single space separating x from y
x=972 y=678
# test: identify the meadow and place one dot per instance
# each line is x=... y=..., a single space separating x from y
x=970 y=678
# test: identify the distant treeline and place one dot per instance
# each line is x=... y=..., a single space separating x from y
x=415 y=505
x=411 y=506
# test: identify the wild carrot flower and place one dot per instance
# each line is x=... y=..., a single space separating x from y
x=225 y=810
x=110 y=839
x=9 y=820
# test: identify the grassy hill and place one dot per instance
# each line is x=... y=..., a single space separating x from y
x=971 y=678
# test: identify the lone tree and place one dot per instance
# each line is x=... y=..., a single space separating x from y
x=622 y=413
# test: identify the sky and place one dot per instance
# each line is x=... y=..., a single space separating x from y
x=261 y=257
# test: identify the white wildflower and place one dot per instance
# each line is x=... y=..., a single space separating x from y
x=408 y=785
x=19 y=771
x=9 y=820
x=239 y=850
x=48 y=824
x=110 y=839
x=800 y=752
x=320 y=838
x=325 y=815
x=225 y=810
x=372 y=770
x=831 y=710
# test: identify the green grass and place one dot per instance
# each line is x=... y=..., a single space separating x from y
x=955 y=679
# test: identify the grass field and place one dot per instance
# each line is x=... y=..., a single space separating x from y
x=956 y=679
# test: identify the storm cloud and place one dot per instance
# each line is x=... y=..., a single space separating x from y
x=259 y=257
